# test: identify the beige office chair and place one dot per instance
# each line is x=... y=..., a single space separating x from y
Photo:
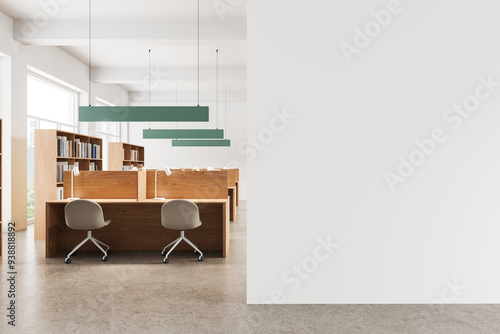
x=86 y=215
x=180 y=215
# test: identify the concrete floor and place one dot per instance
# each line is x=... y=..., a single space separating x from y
x=135 y=293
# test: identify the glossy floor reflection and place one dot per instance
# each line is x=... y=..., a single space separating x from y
x=136 y=293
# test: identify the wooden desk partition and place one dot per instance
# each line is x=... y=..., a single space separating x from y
x=237 y=182
x=185 y=184
x=231 y=177
x=106 y=185
x=232 y=191
x=127 y=198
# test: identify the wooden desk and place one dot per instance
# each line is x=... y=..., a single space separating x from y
x=136 y=225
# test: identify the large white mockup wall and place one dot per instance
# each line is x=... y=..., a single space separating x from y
x=160 y=153
x=385 y=182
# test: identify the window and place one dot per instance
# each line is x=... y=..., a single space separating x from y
x=108 y=131
x=49 y=101
x=50 y=106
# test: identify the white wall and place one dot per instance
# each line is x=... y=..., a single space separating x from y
x=7 y=49
x=56 y=64
x=5 y=107
x=435 y=238
x=6 y=26
x=160 y=153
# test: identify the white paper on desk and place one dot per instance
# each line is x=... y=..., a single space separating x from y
x=210 y=168
x=167 y=170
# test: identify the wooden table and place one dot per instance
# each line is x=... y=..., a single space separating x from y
x=136 y=225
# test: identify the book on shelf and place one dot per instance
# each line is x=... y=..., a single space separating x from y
x=86 y=150
x=60 y=192
x=93 y=166
x=64 y=147
x=96 y=151
x=59 y=152
x=77 y=147
x=63 y=166
x=134 y=155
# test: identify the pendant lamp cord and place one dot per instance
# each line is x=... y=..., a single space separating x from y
x=225 y=110
x=90 y=51
x=149 y=84
x=198 y=53
x=176 y=102
x=217 y=85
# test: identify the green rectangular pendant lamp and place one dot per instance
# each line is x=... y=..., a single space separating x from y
x=205 y=143
x=182 y=133
x=143 y=114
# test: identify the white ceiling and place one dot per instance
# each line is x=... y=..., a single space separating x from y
x=127 y=9
x=124 y=30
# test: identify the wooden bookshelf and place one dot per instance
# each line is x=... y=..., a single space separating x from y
x=47 y=158
x=123 y=155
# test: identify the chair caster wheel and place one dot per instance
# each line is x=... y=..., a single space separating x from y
x=105 y=258
x=163 y=253
x=108 y=251
x=67 y=260
x=201 y=258
x=165 y=260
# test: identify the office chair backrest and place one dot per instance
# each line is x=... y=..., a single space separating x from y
x=180 y=214
x=83 y=214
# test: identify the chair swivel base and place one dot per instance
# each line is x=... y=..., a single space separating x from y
x=164 y=252
x=96 y=242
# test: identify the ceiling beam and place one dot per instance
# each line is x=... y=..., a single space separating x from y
x=170 y=97
x=125 y=32
x=108 y=75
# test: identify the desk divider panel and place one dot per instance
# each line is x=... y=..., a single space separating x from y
x=187 y=184
x=106 y=185
x=237 y=171
x=232 y=177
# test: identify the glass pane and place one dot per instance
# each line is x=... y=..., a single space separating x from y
x=113 y=139
x=68 y=128
x=47 y=125
x=50 y=102
x=111 y=128
x=31 y=168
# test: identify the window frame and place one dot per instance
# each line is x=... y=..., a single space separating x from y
x=118 y=136
x=67 y=89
